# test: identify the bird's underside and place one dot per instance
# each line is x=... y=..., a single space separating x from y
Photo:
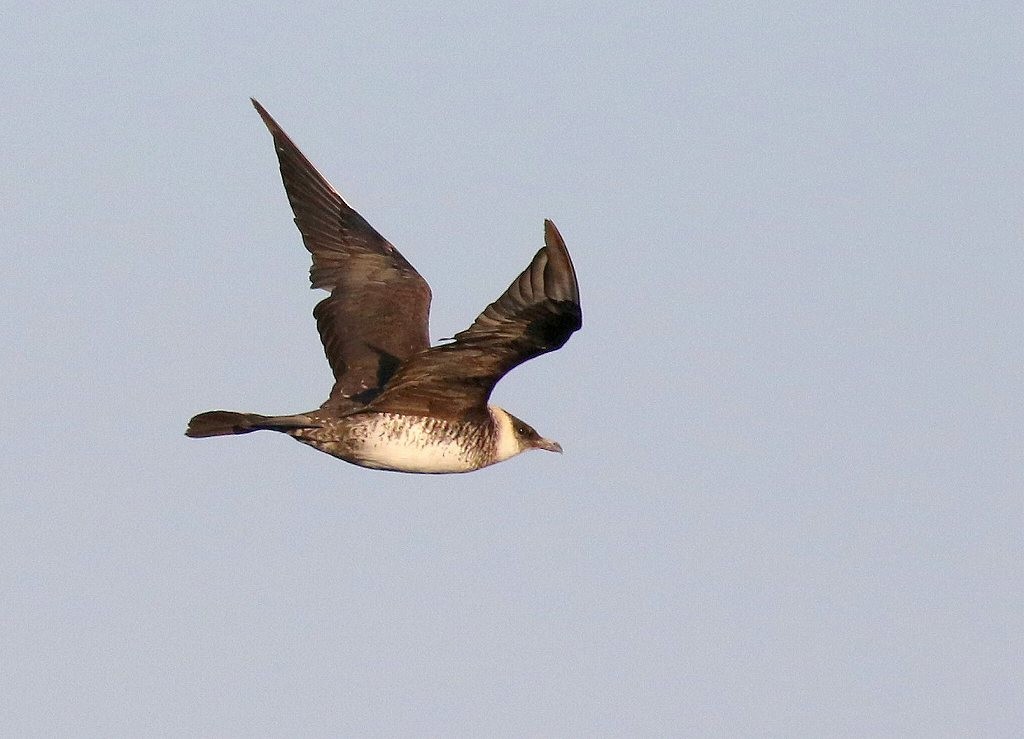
x=397 y=403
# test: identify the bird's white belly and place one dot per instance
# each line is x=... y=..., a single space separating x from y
x=416 y=448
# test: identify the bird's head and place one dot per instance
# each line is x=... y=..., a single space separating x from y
x=515 y=435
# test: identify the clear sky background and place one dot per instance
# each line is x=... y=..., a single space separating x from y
x=791 y=496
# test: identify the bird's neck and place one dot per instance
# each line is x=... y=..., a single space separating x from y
x=506 y=443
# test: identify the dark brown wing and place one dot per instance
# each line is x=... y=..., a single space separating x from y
x=537 y=314
x=378 y=310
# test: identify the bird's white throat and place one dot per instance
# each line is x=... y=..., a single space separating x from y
x=506 y=442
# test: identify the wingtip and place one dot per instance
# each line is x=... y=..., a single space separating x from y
x=267 y=118
x=552 y=237
x=558 y=253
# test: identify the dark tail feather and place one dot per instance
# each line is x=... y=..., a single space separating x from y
x=224 y=423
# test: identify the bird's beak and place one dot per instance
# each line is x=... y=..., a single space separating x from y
x=551 y=446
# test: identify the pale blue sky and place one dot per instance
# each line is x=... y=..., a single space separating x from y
x=791 y=498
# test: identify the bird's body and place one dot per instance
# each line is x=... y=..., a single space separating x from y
x=398 y=403
x=404 y=443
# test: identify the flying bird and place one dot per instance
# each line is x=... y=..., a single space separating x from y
x=397 y=402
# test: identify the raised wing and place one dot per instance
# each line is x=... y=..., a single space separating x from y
x=537 y=314
x=378 y=310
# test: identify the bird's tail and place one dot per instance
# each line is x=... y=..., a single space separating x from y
x=224 y=423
